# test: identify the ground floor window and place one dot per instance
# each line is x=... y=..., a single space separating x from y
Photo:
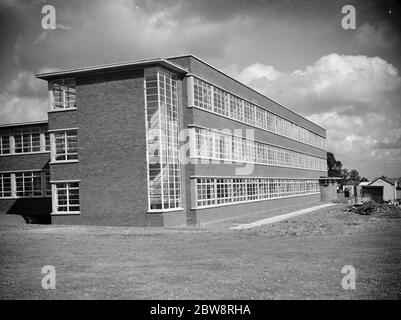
x=5 y=185
x=25 y=184
x=66 y=197
x=220 y=190
x=29 y=184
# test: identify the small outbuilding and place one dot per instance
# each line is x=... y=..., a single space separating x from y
x=391 y=188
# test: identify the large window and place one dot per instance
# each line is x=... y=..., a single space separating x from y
x=22 y=140
x=26 y=184
x=65 y=145
x=221 y=190
x=164 y=180
x=66 y=197
x=5 y=142
x=63 y=94
x=27 y=140
x=214 y=99
x=5 y=185
x=211 y=144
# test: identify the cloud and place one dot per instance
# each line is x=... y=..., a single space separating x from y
x=333 y=77
x=24 y=99
x=356 y=98
x=377 y=36
x=26 y=85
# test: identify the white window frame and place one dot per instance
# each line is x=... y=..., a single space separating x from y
x=66 y=153
x=44 y=177
x=236 y=190
x=64 y=102
x=55 y=205
x=281 y=126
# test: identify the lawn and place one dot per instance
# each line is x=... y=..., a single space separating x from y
x=300 y=258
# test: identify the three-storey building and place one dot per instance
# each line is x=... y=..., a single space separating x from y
x=165 y=142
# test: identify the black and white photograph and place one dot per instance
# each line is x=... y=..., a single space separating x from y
x=213 y=151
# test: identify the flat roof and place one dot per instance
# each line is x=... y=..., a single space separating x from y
x=27 y=123
x=112 y=67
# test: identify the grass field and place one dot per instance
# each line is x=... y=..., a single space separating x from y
x=300 y=258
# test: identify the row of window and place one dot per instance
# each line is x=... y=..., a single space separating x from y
x=31 y=140
x=29 y=184
x=212 y=144
x=24 y=140
x=213 y=99
x=217 y=191
x=34 y=184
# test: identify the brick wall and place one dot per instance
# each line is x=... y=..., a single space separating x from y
x=111 y=151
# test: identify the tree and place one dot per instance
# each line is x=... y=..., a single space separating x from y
x=333 y=166
x=364 y=179
x=354 y=175
x=344 y=176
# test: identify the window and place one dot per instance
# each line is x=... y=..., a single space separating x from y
x=65 y=145
x=217 y=100
x=5 y=142
x=221 y=190
x=204 y=143
x=202 y=94
x=21 y=140
x=28 y=184
x=205 y=192
x=5 y=185
x=63 y=94
x=236 y=108
x=211 y=144
x=47 y=141
x=260 y=118
x=239 y=190
x=249 y=113
x=162 y=126
x=220 y=102
x=27 y=140
x=271 y=122
x=66 y=197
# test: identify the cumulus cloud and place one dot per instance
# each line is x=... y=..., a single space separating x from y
x=332 y=77
x=347 y=95
x=23 y=99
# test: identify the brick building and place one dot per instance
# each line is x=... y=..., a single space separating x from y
x=158 y=142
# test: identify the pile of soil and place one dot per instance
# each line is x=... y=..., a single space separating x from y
x=372 y=208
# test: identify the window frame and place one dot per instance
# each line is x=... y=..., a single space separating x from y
x=65 y=147
x=67 y=188
x=64 y=102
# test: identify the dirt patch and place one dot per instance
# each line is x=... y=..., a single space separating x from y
x=377 y=210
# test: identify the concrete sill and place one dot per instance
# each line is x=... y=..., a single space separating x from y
x=62 y=110
x=158 y=211
x=76 y=213
x=63 y=161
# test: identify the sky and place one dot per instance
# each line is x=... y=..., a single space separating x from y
x=295 y=52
